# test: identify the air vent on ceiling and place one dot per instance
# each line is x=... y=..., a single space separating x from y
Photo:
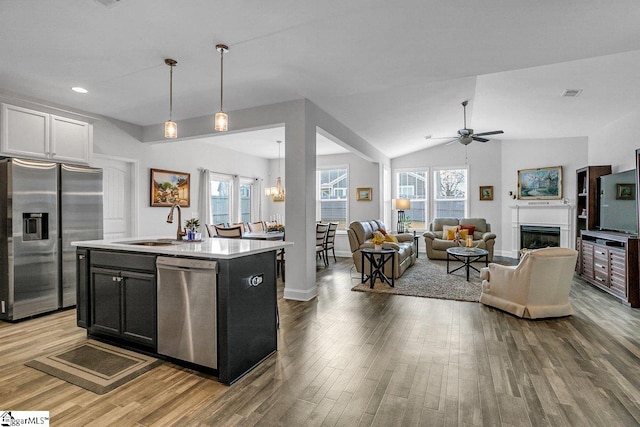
x=572 y=93
x=108 y=3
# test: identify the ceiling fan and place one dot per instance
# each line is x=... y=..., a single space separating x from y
x=465 y=135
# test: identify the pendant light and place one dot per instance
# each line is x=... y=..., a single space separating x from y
x=221 y=121
x=170 y=127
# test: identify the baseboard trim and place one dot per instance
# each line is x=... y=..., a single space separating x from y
x=300 y=295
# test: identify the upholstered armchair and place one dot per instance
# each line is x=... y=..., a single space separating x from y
x=437 y=243
x=535 y=288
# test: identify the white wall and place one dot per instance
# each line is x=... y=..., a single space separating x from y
x=616 y=143
x=113 y=138
x=570 y=153
x=484 y=161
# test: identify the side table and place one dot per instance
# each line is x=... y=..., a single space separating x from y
x=377 y=260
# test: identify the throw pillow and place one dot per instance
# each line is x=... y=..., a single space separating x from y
x=471 y=228
x=390 y=238
x=449 y=231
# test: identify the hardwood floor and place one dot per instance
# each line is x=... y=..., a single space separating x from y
x=352 y=358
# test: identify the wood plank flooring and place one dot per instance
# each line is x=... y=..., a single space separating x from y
x=360 y=359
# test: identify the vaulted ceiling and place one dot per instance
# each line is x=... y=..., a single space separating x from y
x=392 y=72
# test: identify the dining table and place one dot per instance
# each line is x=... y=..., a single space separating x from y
x=264 y=235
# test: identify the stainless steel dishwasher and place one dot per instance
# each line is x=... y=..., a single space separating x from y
x=187 y=325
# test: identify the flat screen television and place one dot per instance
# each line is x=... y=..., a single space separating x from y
x=618 y=204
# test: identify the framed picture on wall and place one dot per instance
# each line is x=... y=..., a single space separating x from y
x=363 y=194
x=169 y=187
x=625 y=191
x=486 y=192
x=540 y=183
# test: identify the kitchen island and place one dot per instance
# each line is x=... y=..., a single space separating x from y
x=208 y=305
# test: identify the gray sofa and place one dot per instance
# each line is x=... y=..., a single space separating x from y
x=437 y=246
x=360 y=233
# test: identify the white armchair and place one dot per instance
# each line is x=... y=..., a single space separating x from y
x=535 y=288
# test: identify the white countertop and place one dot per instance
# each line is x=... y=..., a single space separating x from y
x=218 y=248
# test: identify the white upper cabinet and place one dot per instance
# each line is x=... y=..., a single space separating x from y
x=38 y=135
x=70 y=140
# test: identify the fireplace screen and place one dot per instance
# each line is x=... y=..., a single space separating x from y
x=535 y=237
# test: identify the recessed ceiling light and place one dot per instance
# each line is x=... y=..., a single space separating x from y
x=79 y=89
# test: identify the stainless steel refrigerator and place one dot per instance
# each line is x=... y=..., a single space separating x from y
x=43 y=208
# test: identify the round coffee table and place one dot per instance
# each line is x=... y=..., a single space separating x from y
x=466 y=256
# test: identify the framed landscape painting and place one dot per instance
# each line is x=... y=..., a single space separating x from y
x=486 y=192
x=363 y=194
x=540 y=183
x=169 y=187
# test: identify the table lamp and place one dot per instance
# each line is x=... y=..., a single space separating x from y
x=401 y=206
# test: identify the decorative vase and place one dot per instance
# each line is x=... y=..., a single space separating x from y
x=377 y=247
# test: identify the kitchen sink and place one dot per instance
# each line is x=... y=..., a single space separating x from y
x=153 y=242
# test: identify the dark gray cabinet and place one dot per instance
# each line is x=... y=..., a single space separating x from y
x=123 y=297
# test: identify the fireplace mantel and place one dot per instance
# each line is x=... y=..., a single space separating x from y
x=543 y=214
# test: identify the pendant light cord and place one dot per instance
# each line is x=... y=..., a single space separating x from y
x=171 y=93
x=221 y=76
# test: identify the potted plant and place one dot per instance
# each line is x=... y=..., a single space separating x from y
x=193 y=225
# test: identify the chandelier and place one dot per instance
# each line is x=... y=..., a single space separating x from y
x=276 y=193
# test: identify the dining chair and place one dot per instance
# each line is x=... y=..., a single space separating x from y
x=211 y=228
x=329 y=241
x=321 y=234
x=238 y=224
x=256 y=226
x=234 y=232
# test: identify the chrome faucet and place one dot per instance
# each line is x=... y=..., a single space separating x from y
x=180 y=232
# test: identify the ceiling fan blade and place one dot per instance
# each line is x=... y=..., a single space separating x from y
x=444 y=137
x=451 y=142
x=495 y=132
x=475 y=138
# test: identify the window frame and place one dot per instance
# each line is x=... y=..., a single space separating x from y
x=435 y=200
x=320 y=190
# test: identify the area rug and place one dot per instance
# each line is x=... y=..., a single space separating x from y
x=428 y=278
x=94 y=366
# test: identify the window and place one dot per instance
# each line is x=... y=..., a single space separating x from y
x=450 y=193
x=221 y=190
x=246 y=192
x=333 y=194
x=412 y=185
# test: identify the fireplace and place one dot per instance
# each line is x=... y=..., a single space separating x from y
x=542 y=214
x=535 y=236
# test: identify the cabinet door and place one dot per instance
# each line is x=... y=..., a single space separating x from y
x=618 y=270
x=139 y=307
x=24 y=132
x=105 y=301
x=587 y=259
x=82 y=288
x=70 y=140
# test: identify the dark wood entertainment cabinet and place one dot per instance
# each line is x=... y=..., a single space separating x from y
x=609 y=260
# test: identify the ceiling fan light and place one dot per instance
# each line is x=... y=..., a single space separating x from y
x=170 y=129
x=221 y=121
